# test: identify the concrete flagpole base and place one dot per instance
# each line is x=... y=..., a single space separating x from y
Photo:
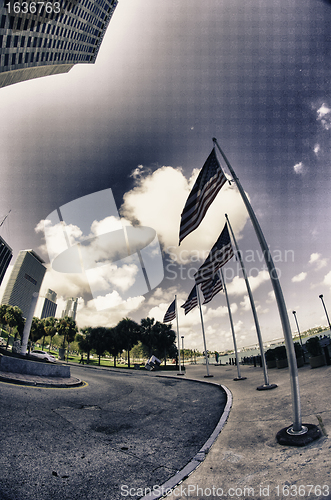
x=240 y=378
x=307 y=435
x=266 y=387
x=208 y=376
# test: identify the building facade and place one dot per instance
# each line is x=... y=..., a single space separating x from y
x=6 y=254
x=25 y=279
x=49 y=305
x=45 y=38
x=71 y=308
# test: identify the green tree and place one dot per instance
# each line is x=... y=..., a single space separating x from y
x=158 y=338
x=50 y=326
x=84 y=341
x=114 y=342
x=37 y=330
x=129 y=331
x=67 y=327
x=98 y=338
x=12 y=316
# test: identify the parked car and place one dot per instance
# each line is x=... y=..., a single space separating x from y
x=44 y=355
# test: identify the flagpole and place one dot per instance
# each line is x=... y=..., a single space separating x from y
x=294 y=433
x=266 y=385
x=203 y=333
x=232 y=329
x=178 y=348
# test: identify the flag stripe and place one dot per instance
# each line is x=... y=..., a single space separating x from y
x=219 y=255
x=192 y=301
x=209 y=182
x=171 y=313
x=211 y=288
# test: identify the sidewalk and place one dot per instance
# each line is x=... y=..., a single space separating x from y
x=246 y=461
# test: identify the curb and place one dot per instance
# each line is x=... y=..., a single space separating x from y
x=31 y=383
x=166 y=488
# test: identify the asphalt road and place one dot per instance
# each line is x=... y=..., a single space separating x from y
x=123 y=430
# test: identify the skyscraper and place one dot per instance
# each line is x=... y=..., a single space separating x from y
x=49 y=305
x=46 y=38
x=71 y=308
x=25 y=279
x=6 y=254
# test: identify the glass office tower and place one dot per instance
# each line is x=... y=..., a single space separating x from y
x=44 y=38
x=25 y=279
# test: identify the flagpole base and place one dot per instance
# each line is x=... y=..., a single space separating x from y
x=181 y=373
x=240 y=378
x=289 y=437
x=266 y=387
x=208 y=376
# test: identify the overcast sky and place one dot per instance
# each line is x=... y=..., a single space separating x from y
x=170 y=76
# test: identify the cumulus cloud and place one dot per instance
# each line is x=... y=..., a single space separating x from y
x=327 y=279
x=317 y=261
x=324 y=116
x=299 y=277
x=238 y=285
x=158 y=200
x=271 y=297
x=317 y=149
x=299 y=168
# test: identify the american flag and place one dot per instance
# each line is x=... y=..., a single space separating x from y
x=209 y=182
x=192 y=300
x=219 y=255
x=171 y=312
x=211 y=288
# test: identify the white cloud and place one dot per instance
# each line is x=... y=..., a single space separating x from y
x=299 y=168
x=316 y=260
x=327 y=279
x=246 y=304
x=324 y=116
x=238 y=285
x=271 y=297
x=158 y=200
x=317 y=149
x=299 y=277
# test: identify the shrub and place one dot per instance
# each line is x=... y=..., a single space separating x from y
x=313 y=346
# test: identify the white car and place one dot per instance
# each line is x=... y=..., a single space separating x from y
x=44 y=355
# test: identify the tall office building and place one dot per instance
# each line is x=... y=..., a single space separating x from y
x=6 y=254
x=46 y=38
x=71 y=308
x=25 y=279
x=49 y=305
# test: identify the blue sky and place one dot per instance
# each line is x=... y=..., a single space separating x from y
x=170 y=76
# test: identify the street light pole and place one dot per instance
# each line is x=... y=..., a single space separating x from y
x=326 y=312
x=294 y=312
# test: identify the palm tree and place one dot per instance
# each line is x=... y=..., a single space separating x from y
x=50 y=326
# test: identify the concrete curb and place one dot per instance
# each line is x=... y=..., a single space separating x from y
x=34 y=383
x=164 y=489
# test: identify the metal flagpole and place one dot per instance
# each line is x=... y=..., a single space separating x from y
x=179 y=365
x=297 y=429
x=257 y=325
x=203 y=333
x=232 y=329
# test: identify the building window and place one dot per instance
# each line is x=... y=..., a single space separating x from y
x=3 y=22
x=29 y=278
x=6 y=63
x=20 y=58
x=15 y=41
x=8 y=41
x=13 y=59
